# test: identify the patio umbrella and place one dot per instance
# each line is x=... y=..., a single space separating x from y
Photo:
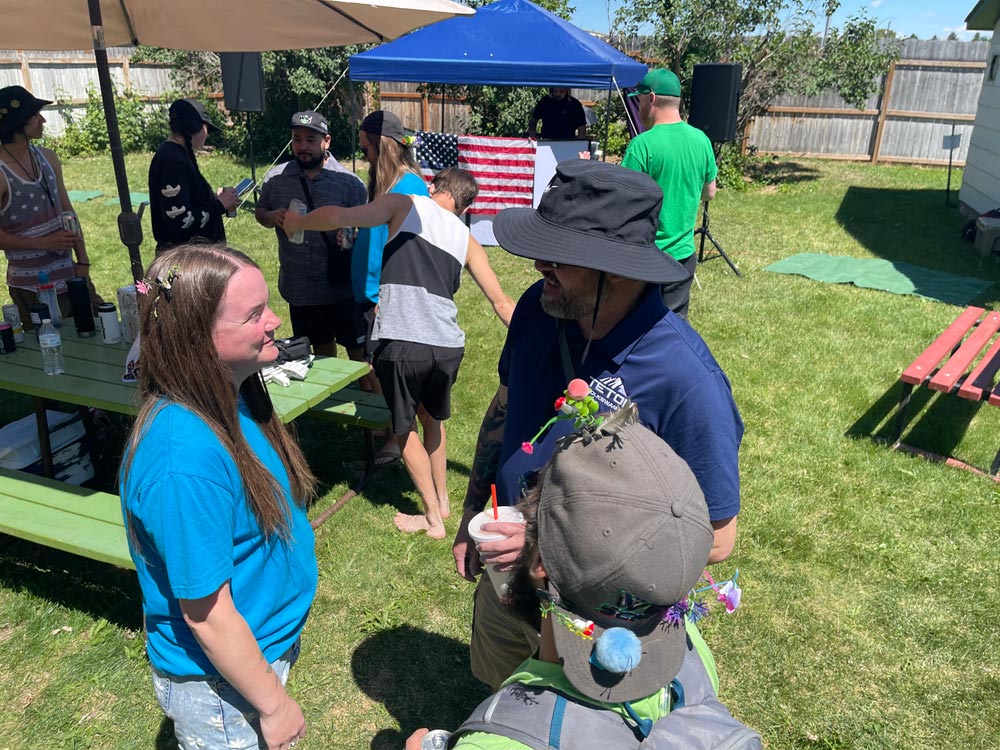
x=202 y=25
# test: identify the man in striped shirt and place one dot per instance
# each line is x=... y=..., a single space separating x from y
x=418 y=344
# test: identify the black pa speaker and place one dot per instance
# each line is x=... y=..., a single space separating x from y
x=242 y=81
x=715 y=99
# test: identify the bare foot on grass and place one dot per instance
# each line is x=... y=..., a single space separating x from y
x=413 y=524
x=445 y=507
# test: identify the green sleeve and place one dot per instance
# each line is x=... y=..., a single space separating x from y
x=487 y=741
x=703 y=651
x=633 y=159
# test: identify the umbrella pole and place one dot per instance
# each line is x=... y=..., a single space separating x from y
x=129 y=224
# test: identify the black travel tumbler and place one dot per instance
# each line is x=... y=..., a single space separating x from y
x=79 y=300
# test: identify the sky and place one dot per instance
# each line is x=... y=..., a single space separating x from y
x=925 y=18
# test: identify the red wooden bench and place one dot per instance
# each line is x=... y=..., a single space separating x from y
x=963 y=360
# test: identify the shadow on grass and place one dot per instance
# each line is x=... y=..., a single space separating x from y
x=98 y=589
x=423 y=679
x=165 y=739
x=935 y=422
x=915 y=226
x=780 y=171
x=336 y=455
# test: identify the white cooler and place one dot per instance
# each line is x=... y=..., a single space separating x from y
x=70 y=455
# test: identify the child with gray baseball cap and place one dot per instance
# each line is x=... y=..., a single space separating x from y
x=617 y=538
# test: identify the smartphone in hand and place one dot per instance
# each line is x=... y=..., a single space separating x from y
x=243 y=186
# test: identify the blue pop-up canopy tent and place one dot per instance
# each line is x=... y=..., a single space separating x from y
x=507 y=43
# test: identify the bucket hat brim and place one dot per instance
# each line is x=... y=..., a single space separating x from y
x=521 y=231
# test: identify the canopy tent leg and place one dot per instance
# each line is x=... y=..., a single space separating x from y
x=129 y=223
x=607 y=119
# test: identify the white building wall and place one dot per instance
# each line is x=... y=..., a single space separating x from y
x=981 y=182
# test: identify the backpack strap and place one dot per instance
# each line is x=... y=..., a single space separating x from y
x=546 y=719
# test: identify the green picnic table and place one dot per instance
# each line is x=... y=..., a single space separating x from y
x=88 y=522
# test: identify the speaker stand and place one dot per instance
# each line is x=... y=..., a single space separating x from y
x=253 y=162
x=703 y=230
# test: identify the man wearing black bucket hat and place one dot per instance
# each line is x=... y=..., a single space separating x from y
x=617 y=537
x=33 y=198
x=182 y=205
x=596 y=315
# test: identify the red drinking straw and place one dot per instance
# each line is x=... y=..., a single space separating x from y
x=493 y=494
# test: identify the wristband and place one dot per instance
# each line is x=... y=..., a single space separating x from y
x=80 y=263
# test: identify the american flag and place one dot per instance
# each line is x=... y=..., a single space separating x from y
x=436 y=151
x=504 y=169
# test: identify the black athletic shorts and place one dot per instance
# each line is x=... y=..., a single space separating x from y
x=341 y=322
x=416 y=374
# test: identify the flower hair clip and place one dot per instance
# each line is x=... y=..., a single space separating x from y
x=163 y=286
x=694 y=608
x=577 y=404
x=410 y=141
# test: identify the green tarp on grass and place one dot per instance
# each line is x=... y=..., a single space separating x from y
x=885 y=275
x=82 y=196
x=137 y=198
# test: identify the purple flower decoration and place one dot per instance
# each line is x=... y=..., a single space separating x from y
x=142 y=287
x=730 y=594
x=698 y=610
x=675 y=613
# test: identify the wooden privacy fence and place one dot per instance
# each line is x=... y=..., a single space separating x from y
x=923 y=101
x=65 y=76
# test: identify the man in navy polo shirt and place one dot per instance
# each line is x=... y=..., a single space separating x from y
x=596 y=314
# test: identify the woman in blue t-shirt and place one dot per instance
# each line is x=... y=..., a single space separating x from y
x=392 y=168
x=213 y=492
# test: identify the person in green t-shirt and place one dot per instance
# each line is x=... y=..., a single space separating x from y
x=606 y=576
x=681 y=160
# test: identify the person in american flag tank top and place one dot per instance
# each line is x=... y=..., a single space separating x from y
x=33 y=198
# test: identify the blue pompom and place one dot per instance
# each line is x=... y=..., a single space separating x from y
x=618 y=650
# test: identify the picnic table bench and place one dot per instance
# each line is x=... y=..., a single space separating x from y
x=353 y=407
x=962 y=361
x=73 y=519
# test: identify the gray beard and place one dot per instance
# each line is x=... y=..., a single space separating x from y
x=563 y=308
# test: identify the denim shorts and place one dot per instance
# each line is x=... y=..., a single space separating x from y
x=209 y=714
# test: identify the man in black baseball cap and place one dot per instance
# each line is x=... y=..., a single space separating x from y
x=596 y=315
x=315 y=276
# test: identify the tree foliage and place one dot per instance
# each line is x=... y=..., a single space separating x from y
x=294 y=80
x=772 y=39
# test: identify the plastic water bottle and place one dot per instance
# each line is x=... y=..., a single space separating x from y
x=47 y=294
x=51 y=344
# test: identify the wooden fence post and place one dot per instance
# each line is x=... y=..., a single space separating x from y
x=883 y=108
x=25 y=70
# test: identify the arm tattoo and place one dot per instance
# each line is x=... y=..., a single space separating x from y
x=487 y=458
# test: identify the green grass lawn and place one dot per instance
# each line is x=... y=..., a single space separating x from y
x=870 y=618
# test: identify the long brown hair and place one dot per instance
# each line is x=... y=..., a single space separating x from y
x=393 y=161
x=178 y=363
